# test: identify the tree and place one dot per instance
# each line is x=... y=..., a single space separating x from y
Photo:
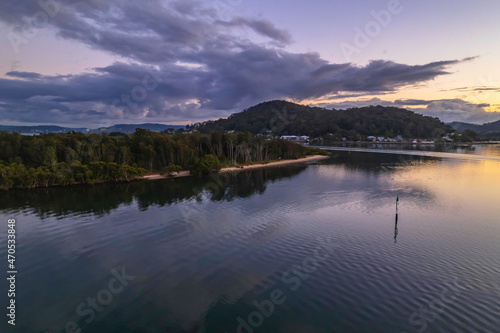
x=171 y=169
x=49 y=156
x=469 y=136
x=206 y=165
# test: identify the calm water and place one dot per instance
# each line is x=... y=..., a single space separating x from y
x=459 y=148
x=203 y=255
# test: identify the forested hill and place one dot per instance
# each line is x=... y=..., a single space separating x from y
x=484 y=128
x=285 y=118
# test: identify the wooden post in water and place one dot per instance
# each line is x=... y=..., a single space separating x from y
x=397 y=204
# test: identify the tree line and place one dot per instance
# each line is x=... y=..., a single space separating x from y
x=71 y=158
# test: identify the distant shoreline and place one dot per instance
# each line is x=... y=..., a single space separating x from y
x=185 y=173
x=414 y=143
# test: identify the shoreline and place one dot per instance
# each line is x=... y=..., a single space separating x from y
x=414 y=143
x=185 y=173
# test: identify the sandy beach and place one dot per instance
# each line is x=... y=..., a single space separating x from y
x=185 y=173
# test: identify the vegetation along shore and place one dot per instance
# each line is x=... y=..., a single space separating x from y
x=58 y=159
x=185 y=173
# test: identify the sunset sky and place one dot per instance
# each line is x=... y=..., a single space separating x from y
x=95 y=63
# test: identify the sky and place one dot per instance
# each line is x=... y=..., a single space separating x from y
x=94 y=63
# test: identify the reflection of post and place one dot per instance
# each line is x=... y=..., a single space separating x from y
x=396 y=230
x=396 y=222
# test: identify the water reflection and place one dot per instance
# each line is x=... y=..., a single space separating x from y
x=102 y=199
x=204 y=249
x=460 y=148
x=396 y=229
x=379 y=162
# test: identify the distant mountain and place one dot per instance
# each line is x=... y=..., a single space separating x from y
x=124 y=128
x=129 y=128
x=285 y=118
x=40 y=129
x=461 y=126
x=493 y=127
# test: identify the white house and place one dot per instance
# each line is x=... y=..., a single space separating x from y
x=447 y=138
x=295 y=138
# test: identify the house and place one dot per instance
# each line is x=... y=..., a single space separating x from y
x=381 y=139
x=295 y=138
x=447 y=138
x=371 y=138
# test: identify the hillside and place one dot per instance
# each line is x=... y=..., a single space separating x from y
x=130 y=128
x=40 y=129
x=461 y=126
x=285 y=118
x=124 y=128
x=490 y=127
x=493 y=127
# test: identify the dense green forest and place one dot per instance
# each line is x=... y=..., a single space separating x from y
x=64 y=159
x=285 y=118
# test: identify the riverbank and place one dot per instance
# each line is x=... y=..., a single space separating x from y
x=409 y=143
x=185 y=173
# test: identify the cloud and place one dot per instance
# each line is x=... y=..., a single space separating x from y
x=181 y=61
x=264 y=28
x=23 y=75
x=472 y=89
x=447 y=110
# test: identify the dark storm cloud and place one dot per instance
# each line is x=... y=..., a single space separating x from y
x=184 y=61
x=450 y=110
x=24 y=75
x=414 y=102
x=447 y=110
x=378 y=76
x=261 y=27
